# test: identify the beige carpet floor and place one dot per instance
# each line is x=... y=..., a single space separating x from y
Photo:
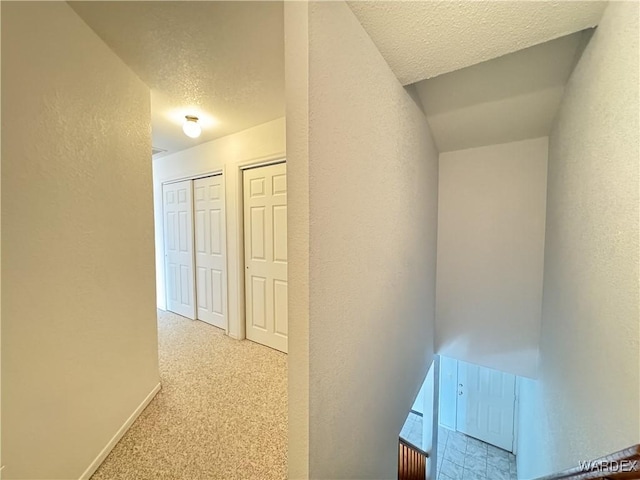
x=221 y=413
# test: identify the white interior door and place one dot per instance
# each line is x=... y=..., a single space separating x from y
x=265 y=255
x=178 y=247
x=211 y=285
x=486 y=402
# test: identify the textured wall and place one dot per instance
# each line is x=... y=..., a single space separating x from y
x=491 y=213
x=79 y=341
x=0 y=265
x=266 y=140
x=372 y=238
x=296 y=21
x=587 y=402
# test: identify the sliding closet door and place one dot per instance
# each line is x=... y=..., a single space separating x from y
x=210 y=250
x=178 y=248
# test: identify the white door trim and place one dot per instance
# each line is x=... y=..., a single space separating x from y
x=265 y=163
x=516 y=417
x=194 y=176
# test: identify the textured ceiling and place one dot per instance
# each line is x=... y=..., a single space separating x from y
x=424 y=39
x=509 y=98
x=223 y=61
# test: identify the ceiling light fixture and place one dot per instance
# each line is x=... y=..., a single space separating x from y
x=191 y=128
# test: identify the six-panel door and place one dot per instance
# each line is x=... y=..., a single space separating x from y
x=178 y=238
x=486 y=404
x=209 y=250
x=265 y=246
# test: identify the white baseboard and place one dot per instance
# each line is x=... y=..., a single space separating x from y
x=91 y=469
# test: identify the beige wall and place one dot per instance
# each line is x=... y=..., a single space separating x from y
x=0 y=264
x=79 y=341
x=227 y=153
x=296 y=21
x=372 y=190
x=491 y=212
x=587 y=402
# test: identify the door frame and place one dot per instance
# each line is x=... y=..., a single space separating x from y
x=191 y=178
x=516 y=417
x=241 y=167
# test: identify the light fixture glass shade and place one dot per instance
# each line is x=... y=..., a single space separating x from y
x=191 y=127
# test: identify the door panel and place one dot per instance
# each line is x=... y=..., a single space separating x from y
x=210 y=254
x=486 y=403
x=178 y=236
x=280 y=298
x=265 y=233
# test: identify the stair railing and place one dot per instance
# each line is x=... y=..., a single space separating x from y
x=412 y=461
x=622 y=465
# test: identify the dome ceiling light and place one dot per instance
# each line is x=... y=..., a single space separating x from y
x=191 y=127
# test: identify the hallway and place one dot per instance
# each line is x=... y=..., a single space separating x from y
x=221 y=413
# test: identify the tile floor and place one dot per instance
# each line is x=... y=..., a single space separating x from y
x=412 y=429
x=464 y=458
